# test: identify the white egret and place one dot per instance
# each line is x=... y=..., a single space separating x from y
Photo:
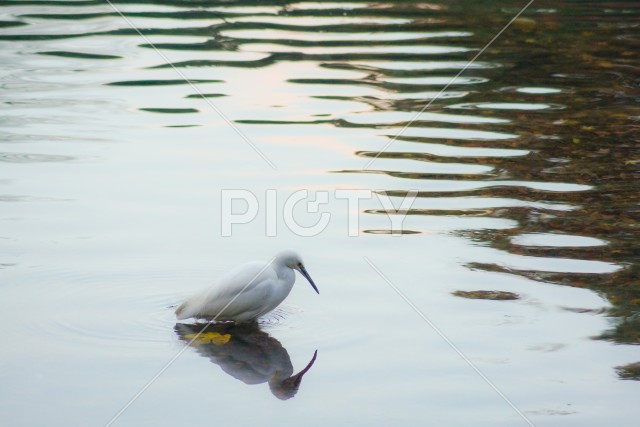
x=247 y=292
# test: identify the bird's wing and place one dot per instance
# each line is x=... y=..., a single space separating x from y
x=238 y=288
x=243 y=279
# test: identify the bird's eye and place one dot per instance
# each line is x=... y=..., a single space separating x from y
x=299 y=264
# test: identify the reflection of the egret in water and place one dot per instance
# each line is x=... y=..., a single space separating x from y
x=247 y=354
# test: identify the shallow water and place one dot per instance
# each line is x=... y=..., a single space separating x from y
x=114 y=173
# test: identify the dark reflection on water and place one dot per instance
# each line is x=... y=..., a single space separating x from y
x=563 y=81
x=246 y=353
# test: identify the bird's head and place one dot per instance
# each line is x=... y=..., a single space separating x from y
x=293 y=260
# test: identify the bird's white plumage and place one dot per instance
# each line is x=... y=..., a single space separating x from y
x=247 y=292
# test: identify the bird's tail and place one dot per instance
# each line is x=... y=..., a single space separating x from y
x=181 y=311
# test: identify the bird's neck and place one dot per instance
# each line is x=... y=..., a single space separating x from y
x=283 y=271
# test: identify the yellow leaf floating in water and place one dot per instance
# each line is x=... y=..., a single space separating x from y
x=214 y=338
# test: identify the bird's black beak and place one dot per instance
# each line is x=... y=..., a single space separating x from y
x=303 y=271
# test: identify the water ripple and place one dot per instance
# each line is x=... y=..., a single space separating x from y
x=33 y=158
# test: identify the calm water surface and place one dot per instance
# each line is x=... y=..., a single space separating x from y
x=526 y=168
